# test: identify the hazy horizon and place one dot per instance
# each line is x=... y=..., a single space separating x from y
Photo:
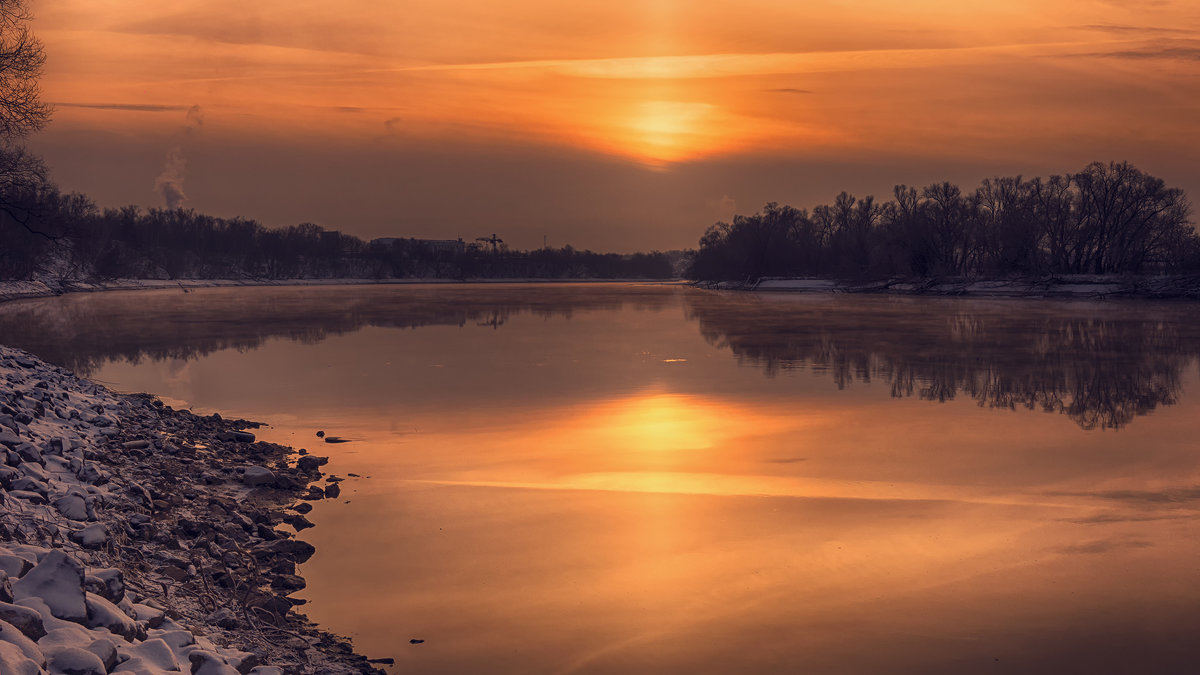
x=606 y=125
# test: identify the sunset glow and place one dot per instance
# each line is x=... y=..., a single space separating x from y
x=527 y=91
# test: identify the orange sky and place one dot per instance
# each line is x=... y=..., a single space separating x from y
x=613 y=124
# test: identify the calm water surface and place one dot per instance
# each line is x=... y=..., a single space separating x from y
x=653 y=479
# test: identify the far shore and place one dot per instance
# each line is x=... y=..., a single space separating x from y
x=20 y=290
x=1061 y=286
x=1080 y=286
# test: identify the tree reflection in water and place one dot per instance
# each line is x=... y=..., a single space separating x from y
x=82 y=332
x=1100 y=364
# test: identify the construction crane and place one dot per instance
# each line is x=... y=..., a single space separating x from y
x=493 y=240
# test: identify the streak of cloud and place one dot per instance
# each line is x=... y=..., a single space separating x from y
x=708 y=66
x=1102 y=546
x=1120 y=29
x=1167 y=53
x=1175 y=496
x=127 y=107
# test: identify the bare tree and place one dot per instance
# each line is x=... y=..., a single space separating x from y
x=22 y=175
x=21 y=59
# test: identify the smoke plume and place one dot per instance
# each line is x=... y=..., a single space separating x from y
x=170 y=181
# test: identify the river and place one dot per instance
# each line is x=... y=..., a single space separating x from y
x=621 y=478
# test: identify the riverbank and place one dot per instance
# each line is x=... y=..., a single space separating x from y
x=138 y=538
x=18 y=290
x=1090 y=286
x=1082 y=286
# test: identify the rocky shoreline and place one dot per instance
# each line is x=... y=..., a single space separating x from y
x=137 y=538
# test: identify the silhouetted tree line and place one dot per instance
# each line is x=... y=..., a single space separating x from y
x=416 y=258
x=66 y=236
x=1106 y=219
x=46 y=233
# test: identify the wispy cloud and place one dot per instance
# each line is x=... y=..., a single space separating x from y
x=1176 y=496
x=1103 y=546
x=790 y=90
x=1113 y=518
x=131 y=107
x=1123 y=29
x=1151 y=53
x=697 y=66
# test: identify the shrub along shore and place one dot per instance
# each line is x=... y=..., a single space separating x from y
x=138 y=538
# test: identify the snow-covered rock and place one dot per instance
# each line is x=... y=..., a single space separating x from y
x=26 y=620
x=258 y=475
x=14 y=662
x=58 y=581
x=91 y=536
x=103 y=614
x=76 y=661
x=10 y=634
x=72 y=505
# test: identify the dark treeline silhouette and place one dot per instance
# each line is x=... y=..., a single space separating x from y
x=66 y=237
x=1101 y=366
x=1106 y=219
x=48 y=235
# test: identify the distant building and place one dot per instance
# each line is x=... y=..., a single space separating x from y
x=451 y=246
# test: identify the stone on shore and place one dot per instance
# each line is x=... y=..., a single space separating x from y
x=10 y=634
x=76 y=661
x=26 y=620
x=92 y=536
x=258 y=475
x=14 y=662
x=72 y=506
x=236 y=437
x=58 y=581
x=207 y=663
x=293 y=549
x=107 y=583
x=103 y=614
x=310 y=463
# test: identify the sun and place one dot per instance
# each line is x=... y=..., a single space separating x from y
x=656 y=132
x=670 y=131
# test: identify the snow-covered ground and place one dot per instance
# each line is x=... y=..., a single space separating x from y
x=1058 y=286
x=16 y=290
x=139 y=539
